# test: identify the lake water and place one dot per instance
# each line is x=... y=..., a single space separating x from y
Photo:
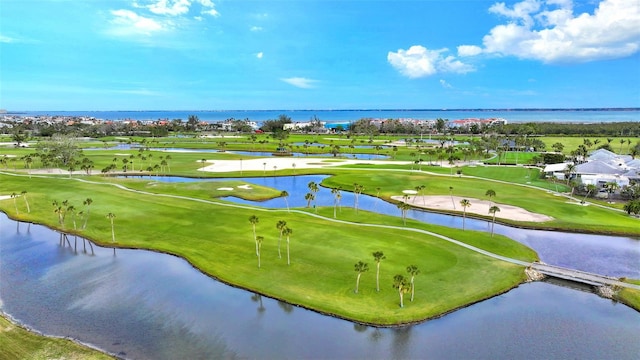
x=145 y=305
x=607 y=255
x=346 y=116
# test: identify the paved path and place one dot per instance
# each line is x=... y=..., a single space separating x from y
x=580 y=276
x=555 y=271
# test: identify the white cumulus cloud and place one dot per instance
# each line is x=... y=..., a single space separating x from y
x=550 y=32
x=469 y=50
x=256 y=28
x=445 y=84
x=127 y=22
x=6 y=39
x=170 y=7
x=300 y=82
x=179 y=7
x=419 y=61
x=260 y=55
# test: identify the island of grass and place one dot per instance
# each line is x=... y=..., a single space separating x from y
x=217 y=238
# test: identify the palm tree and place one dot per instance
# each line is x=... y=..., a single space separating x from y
x=451 y=195
x=15 y=204
x=57 y=208
x=112 y=216
x=357 y=190
x=400 y=283
x=254 y=220
x=378 y=256
x=309 y=197
x=24 y=195
x=281 y=225
x=259 y=240
x=336 y=197
x=404 y=207
x=490 y=193
x=622 y=141
x=568 y=171
x=72 y=210
x=413 y=271
x=611 y=187
x=465 y=204
x=313 y=187
x=590 y=188
x=360 y=268
x=493 y=210
x=288 y=232
x=284 y=194
x=87 y=202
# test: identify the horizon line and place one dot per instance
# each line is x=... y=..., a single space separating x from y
x=364 y=109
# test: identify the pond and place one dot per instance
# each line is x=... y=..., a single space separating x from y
x=341 y=155
x=144 y=305
x=607 y=255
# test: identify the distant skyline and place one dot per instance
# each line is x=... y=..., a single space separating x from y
x=318 y=54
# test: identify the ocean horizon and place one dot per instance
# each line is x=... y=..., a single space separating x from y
x=569 y=115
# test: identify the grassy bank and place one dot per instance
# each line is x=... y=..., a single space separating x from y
x=630 y=297
x=19 y=343
x=218 y=240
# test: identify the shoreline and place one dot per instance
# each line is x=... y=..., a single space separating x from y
x=523 y=280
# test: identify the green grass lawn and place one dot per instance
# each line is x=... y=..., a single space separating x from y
x=631 y=297
x=218 y=240
x=18 y=343
x=568 y=215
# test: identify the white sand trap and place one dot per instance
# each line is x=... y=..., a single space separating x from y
x=246 y=187
x=409 y=192
x=225 y=189
x=5 y=197
x=286 y=163
x=479 y=207
x=9 y=156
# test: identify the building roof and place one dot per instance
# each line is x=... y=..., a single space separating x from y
x=598 y=167
x=556 y=167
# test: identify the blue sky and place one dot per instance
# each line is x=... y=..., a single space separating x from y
x=306 y=54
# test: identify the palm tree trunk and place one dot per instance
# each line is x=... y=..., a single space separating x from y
x=413 y=287
x=358 y=282
x=401 y=297
x=493 y=223
x=378 y=277
x=288 y=258
x=464 y=217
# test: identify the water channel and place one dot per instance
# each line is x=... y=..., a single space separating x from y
x=607 y=255
x=145 y=305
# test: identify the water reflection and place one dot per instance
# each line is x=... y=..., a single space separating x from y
x=607 y=255
x=145 y=305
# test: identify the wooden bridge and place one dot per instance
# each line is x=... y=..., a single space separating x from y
x=580 y=276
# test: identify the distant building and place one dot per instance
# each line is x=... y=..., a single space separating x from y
x=467 y=123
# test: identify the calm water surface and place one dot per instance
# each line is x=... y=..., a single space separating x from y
x=607 y=255
x=145 y=305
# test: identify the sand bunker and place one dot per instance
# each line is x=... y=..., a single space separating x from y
x=285 y=163
x=479 y=207
x=225 y=189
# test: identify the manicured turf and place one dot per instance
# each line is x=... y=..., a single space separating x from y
x=568 y=215
x=218 y=239
x=18 y=343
